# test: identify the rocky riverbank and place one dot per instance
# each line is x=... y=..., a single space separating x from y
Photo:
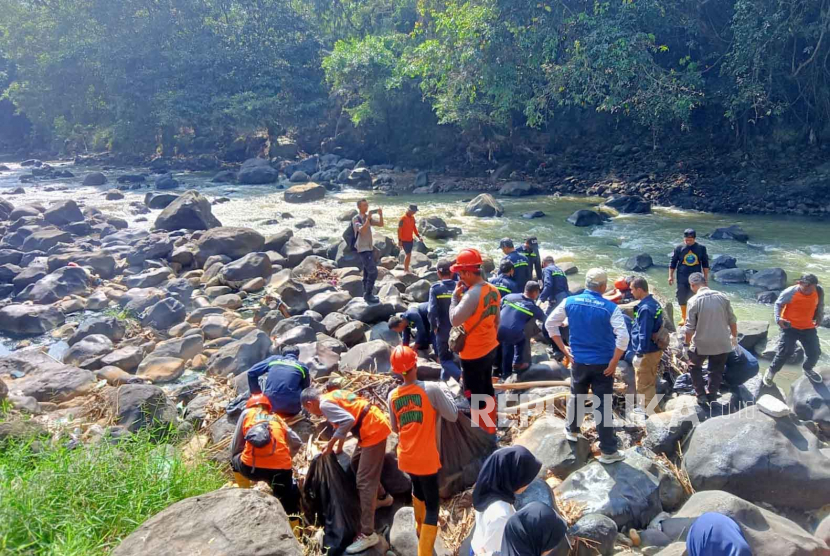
x=149 y=328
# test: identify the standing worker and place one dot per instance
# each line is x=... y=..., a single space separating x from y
x=688 y=258
x=286 y=380
x=504 y=282
x=261 y=450
x=406 y=230
x=531 y=251
x=516 y=311
x=521 y=266
x=710 y=325
x=438 y=313
x=414 y=412
x=347 y=412
x=554 y=285
x=798 y=311
x=648 y=317
x=414 y=321
x=475 y=308
x=365 y=247
x=598 y=340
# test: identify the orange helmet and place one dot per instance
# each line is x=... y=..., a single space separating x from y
x=468 y=259
x=622 y=284
x=259 y=399
x=403 y=359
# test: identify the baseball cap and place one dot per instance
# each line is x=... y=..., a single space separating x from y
x=697 y=278
x=413 y=208
x=531 y=239
x=443 y=266
x=689 y=232
x=810 y=279
x=505 y=242
x=595 y=278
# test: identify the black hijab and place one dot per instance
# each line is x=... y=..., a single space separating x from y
x=532 y=531
x=505 y=471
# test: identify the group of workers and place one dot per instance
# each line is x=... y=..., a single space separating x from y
x=466 y=321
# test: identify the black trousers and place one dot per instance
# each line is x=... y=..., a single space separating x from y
x=583 y=379
x=425 y=488
x=478 y=375
x=786 y=347
x=717 y=366
x=282 y=483
x=370 y=272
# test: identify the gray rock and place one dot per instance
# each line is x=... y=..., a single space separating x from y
x=29 y=320
x=546 y=439
x=730 y=276
x=249 y=267
x=584 y=218
x=55 y=383
x=769 y=279
x=237 y=357
x=62 y=213
x=229 y=301
x=665 y=430
x=59 y=284
x=628 y=204
x=161 y=201
x=752 y=334
x=295 y=250
x=295 y=336
x=767 y=297
x=353 y=285
x=305 y=193
x=257 y=171
x=483 y=206
x=358 y=309
x=141 y=406
x=598 y=528
x=186 y=347
x=138 y=300
x=730 y=232
x=305 y=223
x=370 y=356
x=86 y=353
x=161 y=369
x=419 y=291
x=299 y=177
x=639 y=263
x=333 y=321
x=329 y=302
x=518 y=189
x=534 y=214
x=242 y=522
x=148 y=279
x=95 y=178
x=164 y=315
x=360 y=178
x=191 y=211
x=352 y=333
x=811 y=401
x=230 y=242
x=278 y=240
x=434 y=227
x=45 y=239
x=760 y=459
x=126 y=358
x=723 y=262
x=166 y=181
x=102 y=264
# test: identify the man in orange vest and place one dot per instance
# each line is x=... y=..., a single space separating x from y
x=475 y=307
x=406 y=230
x=262 y=448
x=414 y=410
x=348 y=412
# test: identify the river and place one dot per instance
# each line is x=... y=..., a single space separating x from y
x=795 y=244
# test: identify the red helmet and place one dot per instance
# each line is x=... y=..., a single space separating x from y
x=403 y=359
x=259 y=399
x=468 y=259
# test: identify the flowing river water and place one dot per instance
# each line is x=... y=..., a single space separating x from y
x=795 y=244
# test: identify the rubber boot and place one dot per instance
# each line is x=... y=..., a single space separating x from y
x=420 y=513
x=683 y=315
x=426 y=541
x=241 y=480
x=296 y=527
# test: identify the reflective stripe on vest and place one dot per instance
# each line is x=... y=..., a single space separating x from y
x=504 y=289
x=298 y=367
x=444 y=296
x=519 y=308
x=515 y=265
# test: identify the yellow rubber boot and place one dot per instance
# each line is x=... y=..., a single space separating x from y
x=426 y=541
x=241 y=480
x=420 y=514
x=683 y=315
x=296 y=527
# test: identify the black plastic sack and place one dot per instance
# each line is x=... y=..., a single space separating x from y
x=236 y=406
x=463 y=451
x=330 y=498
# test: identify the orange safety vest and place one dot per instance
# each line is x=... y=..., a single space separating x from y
x=407 y=228
x=277 y=455
x=375 y=426
x=482 y=340
x=417 y=443
x=800 y=310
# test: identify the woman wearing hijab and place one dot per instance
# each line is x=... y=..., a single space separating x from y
x=506 y=473
x=714 y=534
x=535 y=530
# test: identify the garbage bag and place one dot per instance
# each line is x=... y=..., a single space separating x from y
x=236 y=406
x=463 y=451
x=330 y=498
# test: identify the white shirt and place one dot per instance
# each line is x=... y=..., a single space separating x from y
x=489 y=528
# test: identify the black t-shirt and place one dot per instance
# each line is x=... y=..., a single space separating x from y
x=688 y=259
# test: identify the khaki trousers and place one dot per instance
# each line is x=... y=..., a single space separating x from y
x=646 y=376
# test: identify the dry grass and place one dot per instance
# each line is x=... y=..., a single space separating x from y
x=456 y=520
x=679 y=474
x=318 y=276
x=571 y=510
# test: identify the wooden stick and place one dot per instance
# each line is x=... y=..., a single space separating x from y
x=534 y=403
x=526 y=385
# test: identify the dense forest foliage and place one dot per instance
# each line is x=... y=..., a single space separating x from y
x=179 y=76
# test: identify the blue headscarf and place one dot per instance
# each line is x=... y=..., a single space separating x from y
x=714 y=534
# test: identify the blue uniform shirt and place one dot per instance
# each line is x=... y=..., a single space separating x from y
x=555 y=287
x=532 y=255
x=516 y=311
x=418 y=318
x=440 y=299
x=287 y=378
x=592 y=335
x=521 y=266
x=648 y=317
x=505 y=284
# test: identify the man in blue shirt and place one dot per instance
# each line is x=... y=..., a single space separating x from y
x=531 y=251
x=516 y=311
x=504 y=282
x=555 y=287
x=598 y=340
x=286 y=379
x=414 y=321
x=648 y=318
x=438 y=316
x=521 y=266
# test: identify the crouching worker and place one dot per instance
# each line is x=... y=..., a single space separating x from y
x=414 y=411
x=348 y=412
x=286 y=378
x=262 y=448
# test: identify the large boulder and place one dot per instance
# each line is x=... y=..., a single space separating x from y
x=257 y=171
x=766 y=533
x=723 y=262
x=753 y=334
x=95 y=178
x=296 y=250
x=639 y=263
x=419 y=291
x=483 y=206
x=242 y=522
x=628 y=204
x=434 y=227
x=293 y=294
x=546 y=439
x=231 y=242
x=599 y=530
x=45 y=239
x=148 y=279
x=103 y=264
x=165 y=314
x=249 y=267
x=239 y=356
x=730 y=276
x=55 y=383
x=110 y=327
x=191 y=211
x=769 y=279
x=126 y=358
x=583 y=218
x=730 y=232
x=517 y=189
x=358 y=309
x=63 y=213
x=186 y=347
x=759 y=458
x=665 y=430
x=141 y=406
x=161 y=369
x=59 y=284
x=305 y=193
x=87 y=353
x=29 y=320
x=159 y=201
x=370 y=357
x=329 y=302
x=278 y=240
x=811 y=401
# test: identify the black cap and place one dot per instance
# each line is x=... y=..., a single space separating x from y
x=443 y=266
x=531 y=239
x=506 y=242
x=689 y=232
x=413 y=208
x=810 y=279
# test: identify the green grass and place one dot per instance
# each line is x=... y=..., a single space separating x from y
x=60 y=502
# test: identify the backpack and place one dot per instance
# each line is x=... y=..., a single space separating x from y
x=259 y=436
x=349 y=236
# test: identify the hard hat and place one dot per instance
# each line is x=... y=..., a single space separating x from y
x=403 y=359
x=622 y=284
x=468 y=259
x=259 y=399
